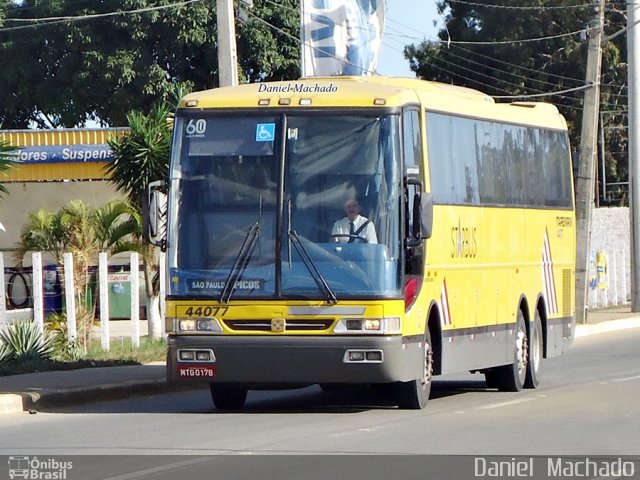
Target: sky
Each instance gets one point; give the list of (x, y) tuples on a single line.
[(407, 21)]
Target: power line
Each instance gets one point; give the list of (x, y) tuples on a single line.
[(38, 22), (548, 94), (532, 70), (509, 42), (513, 7), (473, 62), (540, 94)]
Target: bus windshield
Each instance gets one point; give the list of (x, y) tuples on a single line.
[(285, 206)]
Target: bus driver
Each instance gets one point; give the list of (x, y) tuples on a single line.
[(354, 227)]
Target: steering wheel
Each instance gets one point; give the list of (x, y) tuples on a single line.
[(350, 236)]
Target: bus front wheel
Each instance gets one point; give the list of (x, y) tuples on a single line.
[(414, 394), (227, 396)]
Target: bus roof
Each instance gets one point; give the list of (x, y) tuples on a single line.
[(356, 91), (373, 91)]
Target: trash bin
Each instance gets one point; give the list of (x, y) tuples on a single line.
[(119, 295), (51, 290), (119, 284)]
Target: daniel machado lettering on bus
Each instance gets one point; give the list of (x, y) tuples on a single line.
[(556, 467)]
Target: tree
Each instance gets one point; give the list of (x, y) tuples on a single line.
[(77, 228), (63, 73), (140, 158), (6, 162), (270, 52), (480, 48)]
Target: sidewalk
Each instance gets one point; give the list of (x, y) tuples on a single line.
[(47, 389), (608, 320)]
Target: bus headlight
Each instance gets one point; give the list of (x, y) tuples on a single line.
[(377, 326), (186, 325), (372, 324), (204, 325), (208, 325)]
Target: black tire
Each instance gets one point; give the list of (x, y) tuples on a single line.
[(414, 395), (536, 353), (511, 378), (491, 378), (18, 291), (227, 396)]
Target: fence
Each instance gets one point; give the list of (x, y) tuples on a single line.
[(609, 279), (25, 291), (36, 289)]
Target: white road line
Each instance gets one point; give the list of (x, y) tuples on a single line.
[(626, 379), (506, 404), (162, 468)]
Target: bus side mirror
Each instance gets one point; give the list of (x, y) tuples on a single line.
[(426, 215), (156, 228), (421, 215)]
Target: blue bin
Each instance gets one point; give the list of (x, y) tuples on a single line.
[(51, 290)]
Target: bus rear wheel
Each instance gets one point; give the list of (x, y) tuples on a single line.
[(227, 396), (511, 378), (535, 353), (413, 395)]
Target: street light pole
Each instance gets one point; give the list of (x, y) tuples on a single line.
[(585, 182), (633, 57), (227, 54)]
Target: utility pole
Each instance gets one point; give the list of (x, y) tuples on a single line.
[(227, 54), (633, 57), (585, 182)]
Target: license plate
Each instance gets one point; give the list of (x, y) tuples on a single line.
[(196, 371)]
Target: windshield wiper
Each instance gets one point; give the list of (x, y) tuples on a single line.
[(324, 287), (241, 262)]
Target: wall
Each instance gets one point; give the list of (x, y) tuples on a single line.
[(26, 197), (611, 232)]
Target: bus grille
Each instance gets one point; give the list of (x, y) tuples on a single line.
[(264, 325)]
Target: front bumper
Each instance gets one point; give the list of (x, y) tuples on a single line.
[(256, 360)]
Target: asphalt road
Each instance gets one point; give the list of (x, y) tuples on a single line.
[(587, 404)]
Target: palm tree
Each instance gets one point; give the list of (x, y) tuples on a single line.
[(7, 153), (77, 228), (140, 158), (6, 162)]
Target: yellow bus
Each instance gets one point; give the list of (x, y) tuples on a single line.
[(459, 256)]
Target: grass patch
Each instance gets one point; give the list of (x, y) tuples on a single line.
[(122, 349), (121, 353)]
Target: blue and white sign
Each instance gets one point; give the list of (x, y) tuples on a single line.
[(265, 132), (63, 154), (341, 37)]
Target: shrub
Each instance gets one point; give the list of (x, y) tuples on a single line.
[(63, 349), (24, 342), (4, 353)]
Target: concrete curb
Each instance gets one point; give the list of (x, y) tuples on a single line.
[(41, 401), (609, 326), (11, 403)]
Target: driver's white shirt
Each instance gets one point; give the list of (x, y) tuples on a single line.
[(342, 227)]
